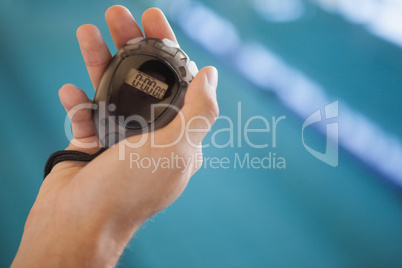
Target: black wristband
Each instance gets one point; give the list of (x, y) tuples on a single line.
[(66, 155)]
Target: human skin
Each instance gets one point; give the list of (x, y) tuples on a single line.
[(86, 213)]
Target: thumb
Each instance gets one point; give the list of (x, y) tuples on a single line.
[(200, 109)]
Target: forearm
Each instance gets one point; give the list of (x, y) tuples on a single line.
[(71, 242)]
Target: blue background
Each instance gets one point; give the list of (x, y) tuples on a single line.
[(307, 215)]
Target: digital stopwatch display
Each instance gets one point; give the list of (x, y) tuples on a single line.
[(142, 89), (146, 83)]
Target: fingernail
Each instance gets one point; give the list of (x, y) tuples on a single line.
[(212, 77)]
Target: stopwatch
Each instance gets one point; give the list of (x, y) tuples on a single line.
[(142, 89)]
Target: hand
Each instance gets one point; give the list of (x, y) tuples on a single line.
[(85, 214)]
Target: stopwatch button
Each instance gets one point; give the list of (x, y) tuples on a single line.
[(192, 68), (170, 43), (135, 40)]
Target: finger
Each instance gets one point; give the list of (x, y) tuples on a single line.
[(200, 109), (122, 25), (94, 51), (156, 25), (77, 106)]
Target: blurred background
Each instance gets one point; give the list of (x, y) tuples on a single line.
[(275, 58)]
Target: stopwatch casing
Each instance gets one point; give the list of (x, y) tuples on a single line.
[(141, 90)]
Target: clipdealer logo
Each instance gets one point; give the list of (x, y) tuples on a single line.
[(232, 133)]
